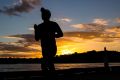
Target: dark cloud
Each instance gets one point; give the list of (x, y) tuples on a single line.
[(28, 39), (112, 32), (14, 55), (20, 7), (14, 48), (25, 47), (107, 40)]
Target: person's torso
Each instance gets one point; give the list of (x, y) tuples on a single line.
[(47, 33)]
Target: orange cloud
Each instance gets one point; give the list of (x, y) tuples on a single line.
[(98, 25), (117, 20), (100, 21), (89, 27), (113, 32)]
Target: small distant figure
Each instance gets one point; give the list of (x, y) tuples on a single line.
[(106, 61), (46, 32)]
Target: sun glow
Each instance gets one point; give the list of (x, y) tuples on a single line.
[(66, 52)]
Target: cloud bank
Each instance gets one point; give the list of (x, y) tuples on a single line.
[(98, 25), (20, 7)]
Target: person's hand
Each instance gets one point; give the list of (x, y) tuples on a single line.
[(35, 25)]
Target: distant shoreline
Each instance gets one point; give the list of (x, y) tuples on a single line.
[(87, 57)]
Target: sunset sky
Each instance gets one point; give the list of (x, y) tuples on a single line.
[(87, 25)]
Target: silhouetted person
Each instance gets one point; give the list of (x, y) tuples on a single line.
[(106, 61), (46, 32)]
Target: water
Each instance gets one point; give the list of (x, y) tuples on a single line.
[(36, 67)]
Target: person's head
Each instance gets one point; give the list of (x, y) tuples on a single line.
[(46, 14)]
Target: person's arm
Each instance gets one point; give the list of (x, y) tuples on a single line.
[(58, 32), (36, 33)]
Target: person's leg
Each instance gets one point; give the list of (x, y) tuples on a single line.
[(51, 59), (44, 64), (51, 64), (44, 59)]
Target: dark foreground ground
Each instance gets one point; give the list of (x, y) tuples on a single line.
[(69, 74)]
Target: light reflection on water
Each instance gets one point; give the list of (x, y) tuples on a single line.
[(36, 67)]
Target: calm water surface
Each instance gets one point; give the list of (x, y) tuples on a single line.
[(36, 67)]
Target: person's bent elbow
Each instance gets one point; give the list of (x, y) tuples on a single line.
[(36, 38), (59, 35)]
